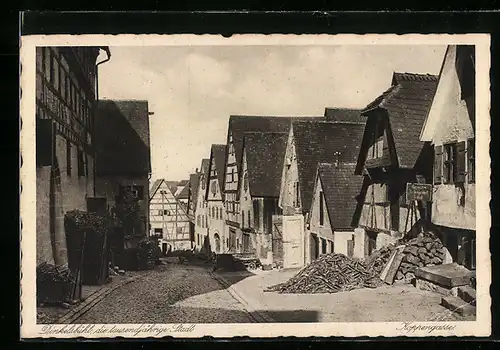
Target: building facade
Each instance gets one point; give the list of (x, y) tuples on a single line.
[(333, 210), (262, 162), (168, 218), (310, 143), (450, 130), (391, 156), (123, 160), (214, 197), (66, 93), (237, 126), (201, 206)]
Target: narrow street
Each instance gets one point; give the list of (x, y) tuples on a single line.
[(172, 293)]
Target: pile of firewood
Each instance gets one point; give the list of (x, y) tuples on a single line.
[(420, 252), (330, 273), (379, 258)]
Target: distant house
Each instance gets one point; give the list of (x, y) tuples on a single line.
[(238, 125), (194, 182), (344, 115), (262, 164), (450, 130), (310, 143), (123, 161), (182, 191), (168, 218), (333, 209), (391, 156), (200, 211), (214, 197)]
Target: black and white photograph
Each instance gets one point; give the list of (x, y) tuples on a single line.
[(286, 186)]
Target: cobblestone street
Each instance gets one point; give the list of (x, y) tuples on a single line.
[(171, 294)]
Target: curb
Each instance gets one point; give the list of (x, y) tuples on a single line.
[(92, 301), (258, 316)]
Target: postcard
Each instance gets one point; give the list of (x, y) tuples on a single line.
[(256, 185)]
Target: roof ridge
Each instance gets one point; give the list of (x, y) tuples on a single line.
[(123, 100), (408, 76), (344, 108)]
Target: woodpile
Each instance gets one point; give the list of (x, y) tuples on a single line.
[(333, 273), (420, 252), (330, 273)]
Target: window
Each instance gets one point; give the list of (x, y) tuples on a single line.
[(449, 163), (158, 231), (86, 165), (331, 247), (203, 183), (48, 63), (166, 212), (296, 195), (323, 246), (249, 219), (179, 230), (242, 218), (62, 82), (206, 221), (160, 212), (213, 212), (256, 215), (68, 157), (321, 209), (198, 221), (81, 164), (245, 182), (471, 161), (55, 72)]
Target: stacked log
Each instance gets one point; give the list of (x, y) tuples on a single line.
[(420, 252), (379, 258), (330, 273)]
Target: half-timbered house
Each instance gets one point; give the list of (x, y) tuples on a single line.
[(450, 130), (201, 205), (168, 218), (214, 196), (238, 125), (309, 143), (391, 156), (262, 163), (123, 161), (66, 96), (333, 210)]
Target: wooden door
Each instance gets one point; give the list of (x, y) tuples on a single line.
[(293, 234)]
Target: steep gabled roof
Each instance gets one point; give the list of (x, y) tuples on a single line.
[(317, 142), (265, 154), (348, 115), (184, 193), (194, 181), (218, 154), (154, 187), (239, 124), (340, 188), (122, 139), (407, 103)]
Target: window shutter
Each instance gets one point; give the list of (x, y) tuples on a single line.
[(45, 141), (461, 161), (438, 164)]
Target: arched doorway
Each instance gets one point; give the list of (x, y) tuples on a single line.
[(217, 243)]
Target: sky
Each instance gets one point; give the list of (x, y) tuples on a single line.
[(193, 90)]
